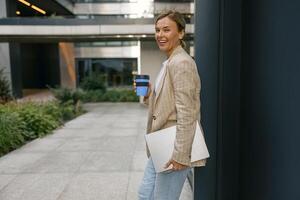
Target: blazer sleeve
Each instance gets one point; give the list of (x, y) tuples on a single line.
[(184, 78), (147, 99)]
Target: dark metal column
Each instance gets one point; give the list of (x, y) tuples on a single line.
[(16, 69), (248, 59), (218, 57), (207, 29), (270, 134)]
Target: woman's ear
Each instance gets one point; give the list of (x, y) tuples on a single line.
[(181, 35)]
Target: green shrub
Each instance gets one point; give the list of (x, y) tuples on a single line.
[(64, 95), (10, 110), (93, 82), (53, 109), (128, 96), (112, 95), (37, 120), (77, 95), (21, 122), (122, 95), (11, 132), (5, 93), (68, 111), (93, 96), (69, 99)]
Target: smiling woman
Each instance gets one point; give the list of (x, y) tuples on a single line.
[(173, 101)]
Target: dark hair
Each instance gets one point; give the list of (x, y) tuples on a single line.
[(177, 18)]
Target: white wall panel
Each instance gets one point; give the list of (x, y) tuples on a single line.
[(151, 59), (140, 7), (145, 7), (107, 52), (80, 29), (48, 30)]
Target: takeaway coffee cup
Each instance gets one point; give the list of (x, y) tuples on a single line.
[(141, 83)]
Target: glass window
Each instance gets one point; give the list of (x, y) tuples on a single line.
[(114, 43), (98, 44), (117, 72), (106, 44)]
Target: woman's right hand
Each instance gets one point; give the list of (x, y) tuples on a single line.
[(149, 90)]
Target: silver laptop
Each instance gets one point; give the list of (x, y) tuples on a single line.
[(161, 145)]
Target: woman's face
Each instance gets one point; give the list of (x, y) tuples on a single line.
[(167, 35)]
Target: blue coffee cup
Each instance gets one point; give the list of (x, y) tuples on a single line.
[(141, 83)]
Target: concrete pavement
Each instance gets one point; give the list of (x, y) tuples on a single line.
[(97, 156)]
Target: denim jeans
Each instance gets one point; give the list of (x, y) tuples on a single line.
[(161, 186)]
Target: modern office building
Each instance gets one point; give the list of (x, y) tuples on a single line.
[(59, 42), (248, 57)]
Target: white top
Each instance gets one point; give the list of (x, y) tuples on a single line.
[(160, 75)]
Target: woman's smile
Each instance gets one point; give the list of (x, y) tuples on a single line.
[(162, 42)]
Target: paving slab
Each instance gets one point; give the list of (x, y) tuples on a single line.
[(81, 144), (107, 162), (43, 145), (5, 180), (59, 162), (17, 162), (36, 187), (95, 186), (135, 179), (117, 144), (75, 133), (100, 155), (139, 161)]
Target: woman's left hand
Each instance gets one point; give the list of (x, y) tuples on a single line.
[(176, 166)]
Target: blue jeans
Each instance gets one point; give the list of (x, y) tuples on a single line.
[(161, 186)]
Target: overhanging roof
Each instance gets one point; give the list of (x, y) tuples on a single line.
[(77, 29)]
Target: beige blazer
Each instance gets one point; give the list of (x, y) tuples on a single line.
[(177, 102)]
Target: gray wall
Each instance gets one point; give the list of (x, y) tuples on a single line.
[(4, 47), (5, 60), (151, 59)]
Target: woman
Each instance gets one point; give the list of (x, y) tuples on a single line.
[(174, 100)]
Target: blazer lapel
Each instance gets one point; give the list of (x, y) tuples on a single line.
[(161, 83), (178, 50)]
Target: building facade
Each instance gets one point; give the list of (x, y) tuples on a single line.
[(59, 42)]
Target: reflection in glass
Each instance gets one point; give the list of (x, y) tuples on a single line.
[(117, 72)]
